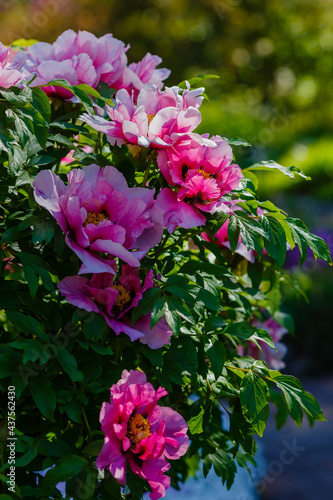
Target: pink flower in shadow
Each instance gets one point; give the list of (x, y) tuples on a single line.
[(115, 300), (140, 433)]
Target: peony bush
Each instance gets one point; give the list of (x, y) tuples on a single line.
[(141, 280)]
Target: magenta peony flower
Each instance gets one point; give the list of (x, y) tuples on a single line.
[(141, 433), (272, 357), (159, 119), (10, 66), (204, 174), (115, 301), (101, 216), (78, 58), (223, 242)]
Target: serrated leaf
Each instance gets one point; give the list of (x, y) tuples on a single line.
[(304, 238), (296, 397)]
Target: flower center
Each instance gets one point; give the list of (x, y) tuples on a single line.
[(93, 218), (138, 428), (205, 175), (123, 297), (150, 117)]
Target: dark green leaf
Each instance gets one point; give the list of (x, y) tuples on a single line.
[(43, 395)]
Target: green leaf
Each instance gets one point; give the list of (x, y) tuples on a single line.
[(43, 395), (157, 311), (7, 364), (237, 141), (217, 356), (68, 362), (28, 456), (34, 265), (172, 317), (70, 467), (27, 324), (95, 328), (304, 238), (193, 266), (254, 396), (249, 229), (296, 397), (93, 449), (224, 466), (272, 165), (240, 432), (195, 422), (275, 239)]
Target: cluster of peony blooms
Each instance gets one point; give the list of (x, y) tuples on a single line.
[(111, 227)]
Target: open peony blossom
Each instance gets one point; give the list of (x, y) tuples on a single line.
[(101, 216), (83, 58), (272, 357), (140, 433), (78, 58), (203, 173), (158, 119), (115, 301), (10, 66), (137, 74)]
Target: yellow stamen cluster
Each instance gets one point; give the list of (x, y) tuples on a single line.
[(150, 117), (93, 218), (205, 175), (138, 428), (123, 297)]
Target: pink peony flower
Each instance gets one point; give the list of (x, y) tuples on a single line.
[(158, 120), (137, 74), (10, 66), (115, 301), (272, 357), (78, 58), (204, 174), (223, 242), (178, 213), (141, 433), (101, 215)]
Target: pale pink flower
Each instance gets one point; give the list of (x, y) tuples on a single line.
[(137, 74), (78, 58), (115, 300), (140, 433), (10, 66), (101, 215), (157, 120)]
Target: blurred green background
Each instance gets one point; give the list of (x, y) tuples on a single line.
[(274, 59)]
